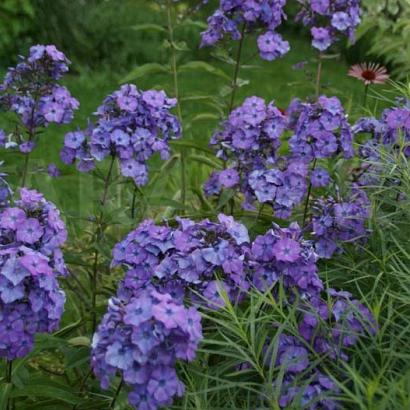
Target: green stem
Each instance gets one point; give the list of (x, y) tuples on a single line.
[(237, 68), (183, 178), (174, 70), (98, 237), (319, 74), (31, 135), (117, 392), (133, 203), (366, 90), (305, 212), (25, 169), (9, 373)]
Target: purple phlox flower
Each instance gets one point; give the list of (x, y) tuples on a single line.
[(130, 126), (144, 351)]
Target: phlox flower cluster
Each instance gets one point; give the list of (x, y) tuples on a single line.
[(328, 321), (283, 254), (198, 261), (147, 328), (202, 263), (130, 125), (329, 20), (31, 301), (391, 132), (283, 186), (339, 220), (316, 392), (250, 140), (232, 15), (335, 322), (327, 328), (321, 129), (32, 91), (141, 337)]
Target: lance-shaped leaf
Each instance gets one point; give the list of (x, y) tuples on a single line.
[(143, 70)]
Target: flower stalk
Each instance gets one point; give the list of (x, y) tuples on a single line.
[(98, 237), (319, 75), (237, 68), (174, 70), (9, 374)]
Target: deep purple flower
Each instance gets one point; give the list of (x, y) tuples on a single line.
[(320, 178), (329, 20), (228, 178), (141, 337), (321, 129), (32, 91), (30, 231), (335, 222), (271, 46), (131, 125), (53, 171), (286, 250), (231, 16), (31, 234), (322, 38), (391, 132)]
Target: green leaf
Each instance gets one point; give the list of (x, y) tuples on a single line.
[(148, 27), (161, 201), (143, 70), (189, 144), (206, 161), (80, 341), (47, 389), (203, 66), (5, 390), (206, 116), (193, 23), (225, 197), (181, 46)]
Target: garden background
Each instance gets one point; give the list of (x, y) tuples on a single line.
[(112, 42)]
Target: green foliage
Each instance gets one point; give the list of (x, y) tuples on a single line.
[(386, 30), (17, 17)]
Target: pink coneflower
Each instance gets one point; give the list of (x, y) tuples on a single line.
[(369, 73)]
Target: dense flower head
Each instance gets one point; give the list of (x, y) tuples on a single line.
[(140, 338), (283, 254), (328, 325), (391, 133), (31, 301), (316, 391), (329, 20), (321, 129), (201, 261), (335, 221), (304, 385), (32, 91), (249, 140), (283, 186), (334, 322), (234, 15), (251, 133), (131, 125)]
